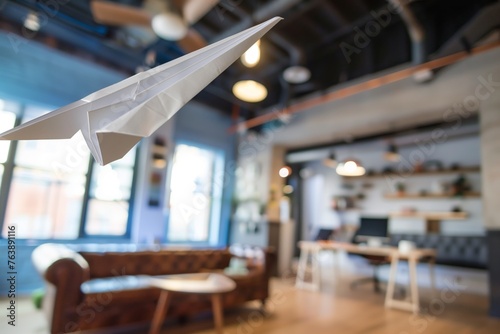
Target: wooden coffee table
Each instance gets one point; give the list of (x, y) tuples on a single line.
[(203, 283)]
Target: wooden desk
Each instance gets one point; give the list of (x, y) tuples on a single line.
[(203, 283), (312, 249)]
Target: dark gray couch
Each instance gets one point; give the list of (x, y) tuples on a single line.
[(461, 251)]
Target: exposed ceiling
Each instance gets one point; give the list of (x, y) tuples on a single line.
[(312, 35)]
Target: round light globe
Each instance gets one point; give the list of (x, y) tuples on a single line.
[(169, 26), (250, 91), (297, 74)]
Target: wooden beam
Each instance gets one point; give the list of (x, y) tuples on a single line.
[(365, 86)]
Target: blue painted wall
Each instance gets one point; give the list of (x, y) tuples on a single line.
[(34, 74)]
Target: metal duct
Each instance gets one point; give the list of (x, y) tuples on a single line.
[(478, 27), (415, 30), (265, 12)]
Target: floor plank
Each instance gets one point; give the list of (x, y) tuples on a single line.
[(336, 308)]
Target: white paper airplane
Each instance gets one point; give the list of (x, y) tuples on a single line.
[(115, 118)]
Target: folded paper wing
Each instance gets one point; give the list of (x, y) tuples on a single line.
[(115, 118)]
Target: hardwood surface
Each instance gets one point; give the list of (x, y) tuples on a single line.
[(336, 309)]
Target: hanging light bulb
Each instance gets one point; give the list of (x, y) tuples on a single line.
[(285, 171), (350, 168), (392, 153), (32, 22), (330, 161), (250, 91), (252, 56)]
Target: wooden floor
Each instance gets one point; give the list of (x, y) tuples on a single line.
[(336, 309)]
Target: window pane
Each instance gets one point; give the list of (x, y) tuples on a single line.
[(110, 191), (128, 160), (7, 120), (60, 156), (192, 190), (111, 183), (45, 205), (107, 217)]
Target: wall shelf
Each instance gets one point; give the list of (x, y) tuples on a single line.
[(473, 169), (432, 196), (432, 219), (431, 215)]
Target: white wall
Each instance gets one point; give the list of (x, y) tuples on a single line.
[(321, 188), (150, 222)]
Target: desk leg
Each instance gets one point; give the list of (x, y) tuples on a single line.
[(336, 259), (432, 274), (160, 312), (300, 281), (415, 301), (302, 268), (316, 271), (389, 296), (218, 315)]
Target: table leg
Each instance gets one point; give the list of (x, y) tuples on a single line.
[(336, 259), (389, 296), (300, 281), (218, 315), (301, 270), (432, 274), (412, 262), (160, 312), (316, 271)]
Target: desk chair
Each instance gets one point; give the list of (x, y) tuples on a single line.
[(371, 228)]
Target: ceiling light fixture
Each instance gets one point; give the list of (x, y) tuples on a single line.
[(423, 76), (169, 26), (297, 74), (350, 168), (392, 153), (250, 91), (288, 189), (32, 22), (330, 161), (252, 56), (285, 171)]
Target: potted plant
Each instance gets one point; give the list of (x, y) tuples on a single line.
[(400, 189)]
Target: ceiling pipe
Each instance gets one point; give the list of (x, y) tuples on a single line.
[(478, 27), (339, 94), (273, 36), (264, 13), (297, 56), (415, 30)]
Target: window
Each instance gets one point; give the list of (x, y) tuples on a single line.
[(195, 198), (110, 192), (47, 187), (52, 195)]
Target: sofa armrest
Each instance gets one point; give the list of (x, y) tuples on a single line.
[(257, 257), (64, 271)]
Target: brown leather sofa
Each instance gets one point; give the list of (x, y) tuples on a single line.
[(96, 289)]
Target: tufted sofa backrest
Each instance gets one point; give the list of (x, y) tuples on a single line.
[(161, 262), (463, 251)]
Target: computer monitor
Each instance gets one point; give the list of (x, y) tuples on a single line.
[(324, 234), (372, 230)]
